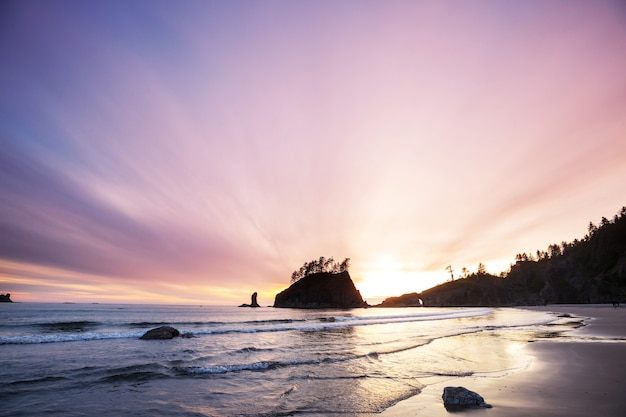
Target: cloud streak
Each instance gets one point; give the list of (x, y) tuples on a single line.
[(216, 147)]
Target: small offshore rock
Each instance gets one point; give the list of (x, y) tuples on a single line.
[(253, 302), (456, 398), (160, 333)]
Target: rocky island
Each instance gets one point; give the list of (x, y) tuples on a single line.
[(321, 290), (5, 298)]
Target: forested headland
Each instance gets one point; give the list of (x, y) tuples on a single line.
[(589, 270)]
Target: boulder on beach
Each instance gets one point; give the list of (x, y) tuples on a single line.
[(321, 290), (253, 302), (160, 333), (456, 398)]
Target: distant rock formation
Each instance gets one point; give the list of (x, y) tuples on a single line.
[(253, 302), (590, 270), (478, 290), (322, 290), (456, 398), (406, 300), (162, 333), (5, 298)]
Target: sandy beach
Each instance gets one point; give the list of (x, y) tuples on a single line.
[(580, 373)]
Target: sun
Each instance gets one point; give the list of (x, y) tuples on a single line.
[(388, 277), (385, 283)]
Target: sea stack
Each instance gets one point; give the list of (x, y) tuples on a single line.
[(253, 302), (322, 290)]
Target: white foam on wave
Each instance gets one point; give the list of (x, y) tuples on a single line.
[(342, 322), (406, 318), (262, 326), (66, 337), (265, 365), (422, 314), (223, 369)]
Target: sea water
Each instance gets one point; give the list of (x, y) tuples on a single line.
[(87, 359)]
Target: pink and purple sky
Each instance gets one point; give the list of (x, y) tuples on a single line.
[(195, 152)]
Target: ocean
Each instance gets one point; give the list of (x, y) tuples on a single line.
[(87, 359)]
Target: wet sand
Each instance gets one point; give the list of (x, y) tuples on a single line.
[(582, 373)]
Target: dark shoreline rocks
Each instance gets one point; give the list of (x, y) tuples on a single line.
[(160, 333), (5, 298), (405, 300), (459, 398), (321, 290), (253, 302)]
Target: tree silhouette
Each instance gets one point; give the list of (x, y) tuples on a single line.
[(321, 265), (449, 269), (589, 270)]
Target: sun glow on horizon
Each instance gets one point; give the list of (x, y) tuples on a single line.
[(196, 155), (50, 284), (387, 276)]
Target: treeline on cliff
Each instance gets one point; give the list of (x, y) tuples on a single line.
[(321, 290), (321, 283), (591, 270), (320, 266)]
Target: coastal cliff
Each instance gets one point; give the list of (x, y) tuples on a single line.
[(477, 290), (321, 290), (591, 270), (406, 300)]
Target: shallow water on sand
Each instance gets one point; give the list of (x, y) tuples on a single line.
[(84, 359)]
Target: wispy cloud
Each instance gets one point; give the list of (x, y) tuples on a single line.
[(216, 147)]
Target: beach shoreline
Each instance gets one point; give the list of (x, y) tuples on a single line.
[(578, 374)]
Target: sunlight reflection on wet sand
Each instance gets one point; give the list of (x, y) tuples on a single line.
[(570, 370)]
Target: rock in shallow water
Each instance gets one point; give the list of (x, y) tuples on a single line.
[(456, 398), (163, 332), (253, 302)]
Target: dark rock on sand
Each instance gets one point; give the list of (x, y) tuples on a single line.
[(322, 290), (5, 298), (457, 398), (253, 302), (162, 333)]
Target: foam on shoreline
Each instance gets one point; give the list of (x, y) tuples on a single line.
[(579, 373)]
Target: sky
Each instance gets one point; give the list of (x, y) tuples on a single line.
[(196, 152)]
